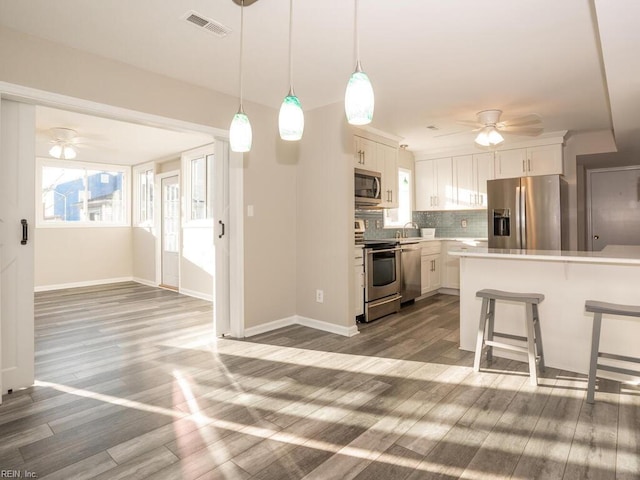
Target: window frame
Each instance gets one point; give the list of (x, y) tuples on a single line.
[(208, 153), (138, 171), (42, 162), (387, 223)]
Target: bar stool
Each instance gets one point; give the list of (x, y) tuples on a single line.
[(532, 322), (598, 309)]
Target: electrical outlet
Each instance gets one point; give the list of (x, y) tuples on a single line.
[(319, 296), (378, 224), (366, 224), (464, 223)]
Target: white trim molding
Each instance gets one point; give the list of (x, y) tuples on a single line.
[(305, 322), (88, 283), (193, 293)]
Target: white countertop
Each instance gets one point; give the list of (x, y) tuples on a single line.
[(612, 254)]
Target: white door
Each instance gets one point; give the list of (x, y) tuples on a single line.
[(221, 279), (614, 207), (17, 203), (170, 239)]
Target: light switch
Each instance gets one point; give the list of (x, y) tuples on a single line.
[(249, 210)]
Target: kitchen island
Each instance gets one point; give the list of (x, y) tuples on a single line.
[(567, 279)]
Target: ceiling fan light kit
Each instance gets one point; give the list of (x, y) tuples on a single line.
[(489, 136), (240, 133), (63, 139), (291, 117), (63, 151), (358, 99)]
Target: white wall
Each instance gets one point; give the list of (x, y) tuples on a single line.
[(325, 218), (269, 184), (143, 241), (67, 256)]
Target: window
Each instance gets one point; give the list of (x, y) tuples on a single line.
[(399, 217), (198, 173), (82, 193), (144, 195)]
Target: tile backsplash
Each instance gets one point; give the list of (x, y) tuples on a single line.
[(448, 224)]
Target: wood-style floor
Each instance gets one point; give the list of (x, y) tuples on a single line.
[(131, 385)]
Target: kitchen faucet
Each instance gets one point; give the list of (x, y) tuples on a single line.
[(411, 224)]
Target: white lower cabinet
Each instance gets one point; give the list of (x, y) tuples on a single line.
[(451, 266), (359, 279), (431, 278)]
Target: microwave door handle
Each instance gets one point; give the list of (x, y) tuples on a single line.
[(377, 187)]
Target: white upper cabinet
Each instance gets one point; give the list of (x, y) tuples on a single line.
[(388, 165), (365, 154), (434, 185), (526, 162), (472, 173)]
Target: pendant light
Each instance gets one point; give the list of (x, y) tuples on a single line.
[(358, 99), (240, 135), (291, 117)]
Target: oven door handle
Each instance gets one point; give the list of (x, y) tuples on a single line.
[(371, 252)]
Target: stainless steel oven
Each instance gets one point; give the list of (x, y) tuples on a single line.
[(382, 266)]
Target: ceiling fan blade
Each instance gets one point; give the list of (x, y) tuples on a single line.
[(452, 133), (529, 131), (531, 119), (470, 123)]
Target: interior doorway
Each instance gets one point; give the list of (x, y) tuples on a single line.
[(613, 202), (170, 227)]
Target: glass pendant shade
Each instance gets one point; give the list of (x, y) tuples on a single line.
[(358, 99), (240, 135), (488, 137), (291, 118)]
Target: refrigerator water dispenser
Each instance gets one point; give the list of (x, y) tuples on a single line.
[(501, 222)]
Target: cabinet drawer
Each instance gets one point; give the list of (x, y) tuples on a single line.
[(429, 248)]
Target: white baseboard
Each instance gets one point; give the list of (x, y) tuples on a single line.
[(88, 283), (144, 281), (328, 327), (449, 291), (304, 321), (269, 326), (193, 293)]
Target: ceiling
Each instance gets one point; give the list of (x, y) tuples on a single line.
[(431, 61), (102, 140)]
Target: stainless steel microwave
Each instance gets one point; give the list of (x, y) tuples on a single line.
[(368, 187)]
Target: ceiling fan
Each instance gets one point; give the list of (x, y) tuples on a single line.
[(64, 141), (491, 128)]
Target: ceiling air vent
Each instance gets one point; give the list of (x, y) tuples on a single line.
[(208, 24)]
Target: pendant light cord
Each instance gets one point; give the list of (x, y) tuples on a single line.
[(356, 40), (241, 48), (290, 49)]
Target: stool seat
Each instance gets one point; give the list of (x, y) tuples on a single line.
[(612, 308), (513, 296), (533, 340), (598, 309)]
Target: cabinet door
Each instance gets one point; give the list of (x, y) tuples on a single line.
[(484, 170), (359, 278), (436, 274), (446, 197), (451, 267), (365, 154), (511, 163), (388, 166), (545, 160), (464, 179), (425, 185), (425, 274)]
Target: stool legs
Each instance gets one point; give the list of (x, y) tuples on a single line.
[(531, 342), (593, 363), (490, 321), (480, 338), (536, 324)]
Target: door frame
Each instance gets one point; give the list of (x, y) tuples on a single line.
[(588, 198), (158, 223), (236, 175)]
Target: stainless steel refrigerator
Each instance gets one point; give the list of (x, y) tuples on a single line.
[(528, 213)]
